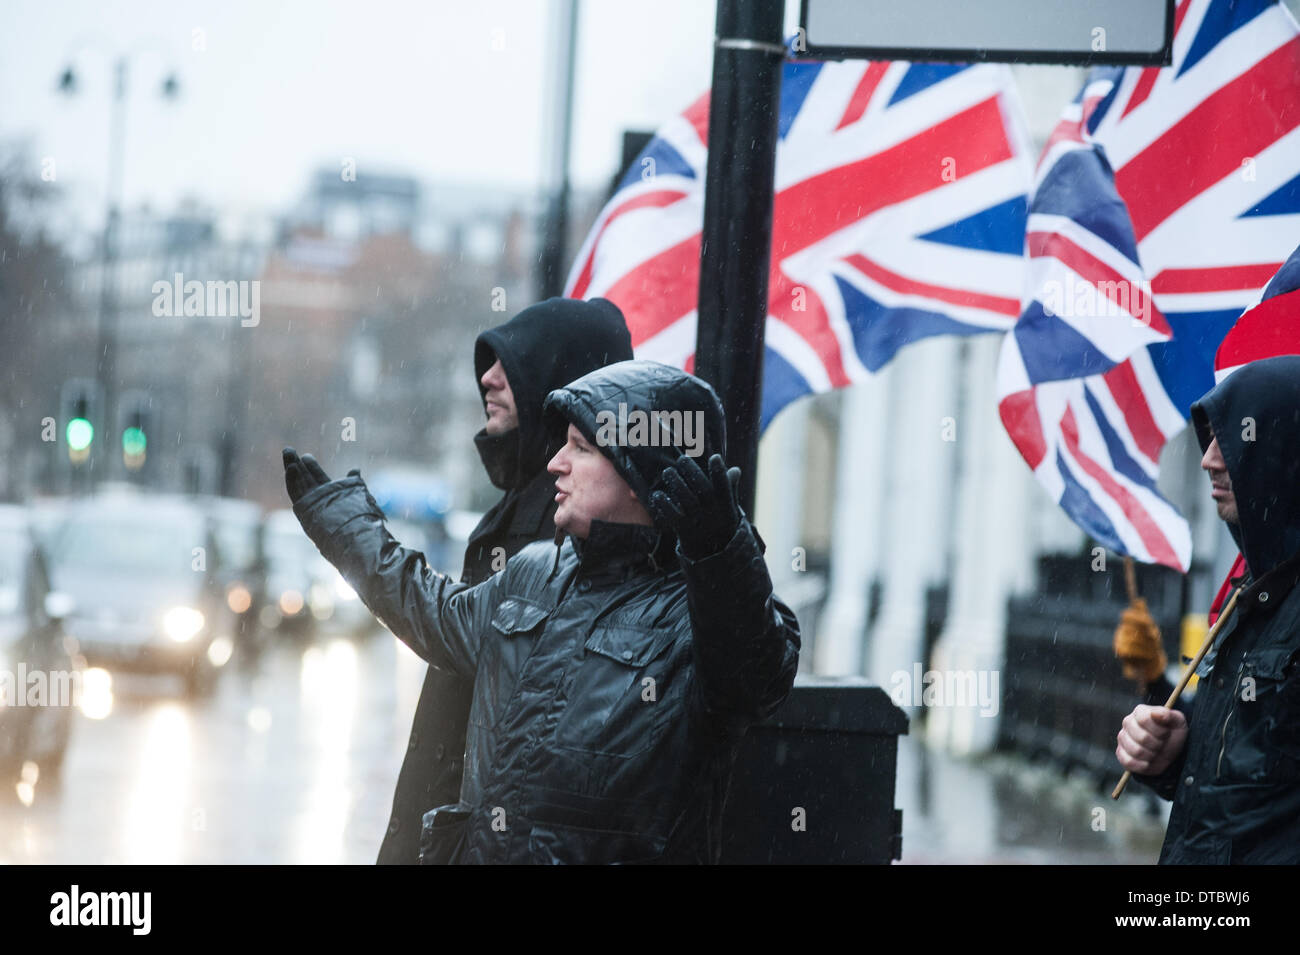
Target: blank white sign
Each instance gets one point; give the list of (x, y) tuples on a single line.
[(1055, 29)]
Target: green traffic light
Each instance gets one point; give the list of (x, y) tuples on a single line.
[(133, 441), (80, 433)]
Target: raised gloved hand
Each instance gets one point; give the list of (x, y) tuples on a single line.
[(700, 509), (303, 474)]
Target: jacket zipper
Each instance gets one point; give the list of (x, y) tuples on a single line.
[(1223, 736)]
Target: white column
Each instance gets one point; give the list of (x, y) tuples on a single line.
[(778, 508), (992, 555), (921, 460), (854, 543)]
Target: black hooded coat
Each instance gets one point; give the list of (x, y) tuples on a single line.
[(1236, 785), (613, 676), (545, 346)]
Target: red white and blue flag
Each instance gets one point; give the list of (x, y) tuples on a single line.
[(1267, 329), (900, 200), (1163, 202)]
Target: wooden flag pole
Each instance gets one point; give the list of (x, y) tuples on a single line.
[(1187, 675)]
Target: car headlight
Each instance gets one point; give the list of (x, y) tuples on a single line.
[(238, 599), (320, 602), (182, 623)]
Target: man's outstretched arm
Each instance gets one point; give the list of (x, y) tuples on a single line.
[(438, 618)]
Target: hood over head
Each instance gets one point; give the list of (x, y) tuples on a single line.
[(1255, 414), (643, 416), (542, 348)]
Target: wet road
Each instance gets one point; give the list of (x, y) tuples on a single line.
[(292, 763), (295, 761)]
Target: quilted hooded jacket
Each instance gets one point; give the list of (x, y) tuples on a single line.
[(613, 677)]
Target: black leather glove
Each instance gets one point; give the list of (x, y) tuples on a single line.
[(303, 474), (700, 509)]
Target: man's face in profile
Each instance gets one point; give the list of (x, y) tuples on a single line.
[(499, 402), (1221, 484), (588, 488)]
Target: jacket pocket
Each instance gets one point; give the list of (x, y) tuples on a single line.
[(442, 835), (1279, 686), (555, 844), (515, 616), (1200, 850), (517, 625), (1261, 738), (615, 703)]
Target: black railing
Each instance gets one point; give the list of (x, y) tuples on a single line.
[(1064, 695)]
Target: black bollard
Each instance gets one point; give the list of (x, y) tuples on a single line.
[(814, 783)]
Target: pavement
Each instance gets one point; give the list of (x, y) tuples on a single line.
[(1000, 809)]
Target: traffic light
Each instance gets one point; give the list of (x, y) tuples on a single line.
[(79, 432), (135, 435), (79, 403)]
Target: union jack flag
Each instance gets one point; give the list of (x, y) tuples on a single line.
[(1163, 201), (900, 200)]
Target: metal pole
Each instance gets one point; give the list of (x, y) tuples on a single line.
[(106, 358), (737, 237), (552, 264)]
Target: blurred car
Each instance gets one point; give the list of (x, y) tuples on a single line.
[(306, 593), (237, 526), (300, 584), (38, 673), (143, 573)]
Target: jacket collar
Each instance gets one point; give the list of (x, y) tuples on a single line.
[(524, 511), (500, 456), (1268, 592), (616, 551), (535, 505)]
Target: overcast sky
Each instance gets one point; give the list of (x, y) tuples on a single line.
[(272, 89), (443, 90)]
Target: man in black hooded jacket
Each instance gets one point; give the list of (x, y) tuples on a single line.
[(517, 364), (614, 671), (1230, 758)]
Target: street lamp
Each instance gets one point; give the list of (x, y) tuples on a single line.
[(106, 361)]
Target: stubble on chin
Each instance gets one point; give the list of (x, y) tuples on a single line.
[(1227, 511)]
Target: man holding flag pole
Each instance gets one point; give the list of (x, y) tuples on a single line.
[(1231, 762)]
